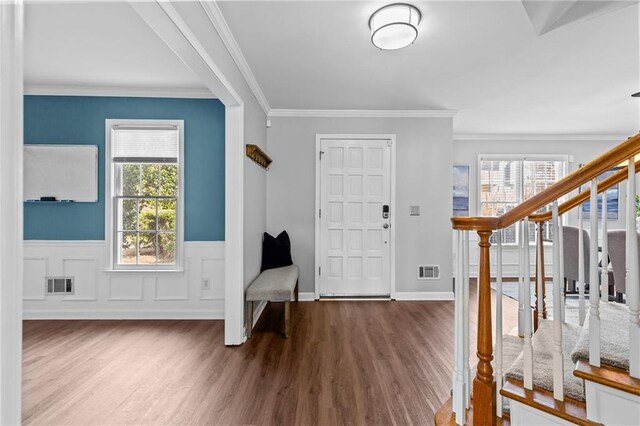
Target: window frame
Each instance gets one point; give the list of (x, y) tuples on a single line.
[(564, 158), (111, 206)]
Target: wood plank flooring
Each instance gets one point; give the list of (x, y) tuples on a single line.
[(346, 362)]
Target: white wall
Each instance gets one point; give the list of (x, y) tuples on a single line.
[(114, 295), (424, 174), (582, 151)]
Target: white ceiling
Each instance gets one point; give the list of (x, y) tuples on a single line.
[(104, 45), (484, 59)]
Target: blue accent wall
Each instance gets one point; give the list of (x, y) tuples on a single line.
[(80, 120)]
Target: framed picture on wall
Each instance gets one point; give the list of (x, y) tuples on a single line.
[(461, 190), (613, 198)]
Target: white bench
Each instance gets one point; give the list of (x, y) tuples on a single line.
[(274, 285)]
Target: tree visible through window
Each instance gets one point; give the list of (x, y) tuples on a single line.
[(507, 182), (147, 208), (145, 195)]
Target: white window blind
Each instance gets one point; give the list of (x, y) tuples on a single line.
[(145, 144)]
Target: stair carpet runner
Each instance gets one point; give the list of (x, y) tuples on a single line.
[(614, 349)]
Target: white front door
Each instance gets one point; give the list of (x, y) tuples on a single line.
[(355, 228)]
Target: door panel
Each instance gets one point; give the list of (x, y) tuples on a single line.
[(355, 184)]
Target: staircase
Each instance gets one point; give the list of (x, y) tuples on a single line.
[(555, 369)]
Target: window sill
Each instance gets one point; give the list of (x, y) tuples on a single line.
[(144, 271)]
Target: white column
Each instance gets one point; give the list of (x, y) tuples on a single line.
[(499, 373), (594, 287), (561, 263), (581, 302), (528, 324), (465, 319), (558, 290), (604, 275), (633, 284), (11, 134), (458, 397)]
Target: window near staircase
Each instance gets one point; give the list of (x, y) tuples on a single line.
[(145, 188), (506, 181)]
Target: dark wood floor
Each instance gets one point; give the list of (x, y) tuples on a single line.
[(360, 363)]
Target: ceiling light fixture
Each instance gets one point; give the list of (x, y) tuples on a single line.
[(394, 26)]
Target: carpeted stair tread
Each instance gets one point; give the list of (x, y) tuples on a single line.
[(542, 343), (614, 340)]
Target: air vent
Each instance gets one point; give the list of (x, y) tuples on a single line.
[(59, 285), (428, 272)]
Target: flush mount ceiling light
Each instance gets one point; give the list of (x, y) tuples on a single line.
[(394, 26)]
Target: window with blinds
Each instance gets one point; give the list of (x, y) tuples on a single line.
[(145, 194), (507, 182)]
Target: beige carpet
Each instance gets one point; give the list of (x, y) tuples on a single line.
[(542, 343), (614, 340)]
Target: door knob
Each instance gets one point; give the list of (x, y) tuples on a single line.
[(385, 225)]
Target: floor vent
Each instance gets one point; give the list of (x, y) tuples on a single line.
[(59, 285), (428, 272)]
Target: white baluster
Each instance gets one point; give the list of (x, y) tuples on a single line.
[(558, 290), (604, 275), (499, 374), (594, 287), (561, 263), (465, 320), (528, 325), (633, 284), (521, 297), (581, 302), (540, 281), (458, 397)]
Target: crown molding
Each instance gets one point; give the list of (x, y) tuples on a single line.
[(362, 113), (143, 92), (539, 137), (216, 18)]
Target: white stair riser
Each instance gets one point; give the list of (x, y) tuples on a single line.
[(611, 406), (524, 415)]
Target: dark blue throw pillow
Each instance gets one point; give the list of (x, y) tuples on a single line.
[(276, 252)]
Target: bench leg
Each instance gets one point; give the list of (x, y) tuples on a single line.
[(249, 319), (287, 318), (297, 292)]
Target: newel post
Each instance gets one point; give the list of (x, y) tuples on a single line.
[(484, 385)]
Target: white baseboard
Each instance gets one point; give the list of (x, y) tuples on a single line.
[(309, 296), (424, 295), (58, 314), (400, 295)]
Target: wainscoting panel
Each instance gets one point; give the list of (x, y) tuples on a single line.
[(85, 273), (126, 287), (170, 288), (212, 270), (35, 269), (101, 293)]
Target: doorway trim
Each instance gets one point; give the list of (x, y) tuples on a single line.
[(11, 140), (392, 217)]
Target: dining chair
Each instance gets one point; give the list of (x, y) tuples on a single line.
[(570, 241), (616, 245)]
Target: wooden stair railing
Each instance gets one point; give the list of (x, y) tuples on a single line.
[(484, 385)]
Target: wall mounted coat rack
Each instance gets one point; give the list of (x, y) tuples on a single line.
[(255, 153)]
